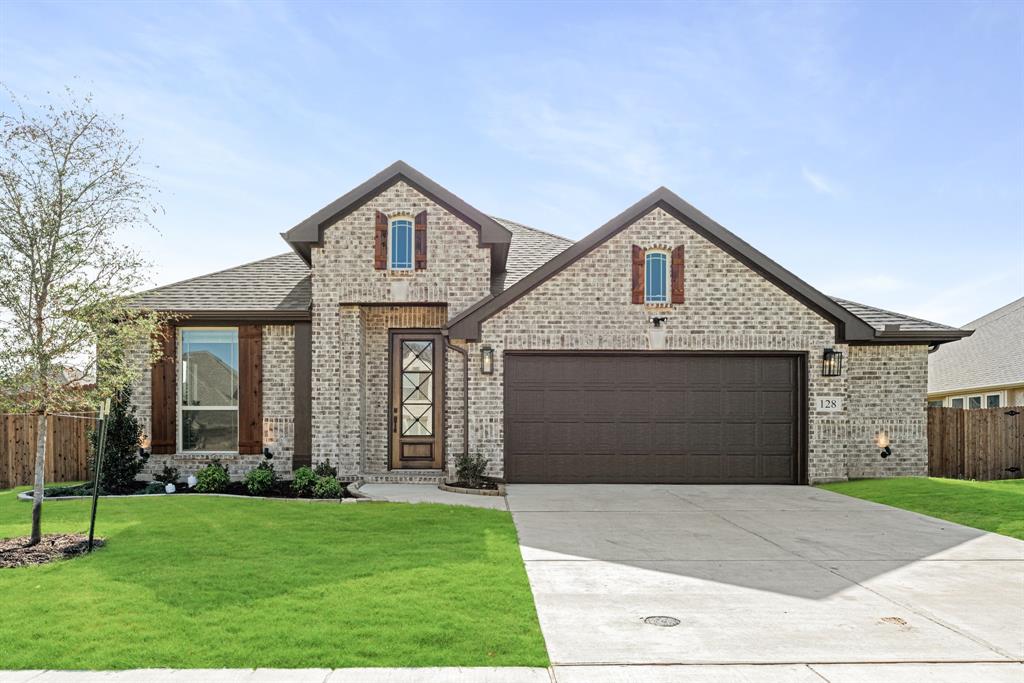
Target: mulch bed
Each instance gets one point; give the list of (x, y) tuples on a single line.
[(15, 552), (485, 485)]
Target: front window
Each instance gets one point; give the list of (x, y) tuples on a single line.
[(992, 401), (208, 385), (974, 402), (656, 278), (401, 244), (956, 403)]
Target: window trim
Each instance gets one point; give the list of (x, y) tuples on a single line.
[(180, 380), (999, 397), (392, 220), (963, 402), (666, 257)]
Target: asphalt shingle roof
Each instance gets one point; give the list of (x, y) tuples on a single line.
[(879, 318), (282, 283), (988, 358), (278, 283)]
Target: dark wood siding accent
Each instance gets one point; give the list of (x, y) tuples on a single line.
[(638, 274), (303, 456), (700, 418), (678, 278), (380, 242), (421, 240), (250, 389), (163, 440)]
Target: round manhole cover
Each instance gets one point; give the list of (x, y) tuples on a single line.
[(662, 621)]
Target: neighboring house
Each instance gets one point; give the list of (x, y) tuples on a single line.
[(985, 370), (406, 326)]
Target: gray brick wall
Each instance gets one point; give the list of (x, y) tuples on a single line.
[(728, 308)]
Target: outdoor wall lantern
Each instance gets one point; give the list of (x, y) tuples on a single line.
[(831, 363), (883, 442), (486, 360)]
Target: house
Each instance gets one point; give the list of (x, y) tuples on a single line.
[(406, 327), (987, 369)]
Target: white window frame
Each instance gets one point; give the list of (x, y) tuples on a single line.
[(958, 398), (180, 377), (391, 243), (997, 394), (668, 277)]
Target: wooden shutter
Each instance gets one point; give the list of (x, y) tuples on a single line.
[(678, 281), (380, 242), (421, 240), (250, 389), (164, 400), (638, 274)]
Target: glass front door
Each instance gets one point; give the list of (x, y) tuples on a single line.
[(416, 361)]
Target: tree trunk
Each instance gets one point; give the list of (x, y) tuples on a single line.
[(37, 492)]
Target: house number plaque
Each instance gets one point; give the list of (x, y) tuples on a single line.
[(829, 404)]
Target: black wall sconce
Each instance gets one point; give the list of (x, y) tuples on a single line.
[(831, 363), (486, 360), (883, 442)]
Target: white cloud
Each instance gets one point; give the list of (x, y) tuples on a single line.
[(819, 183)]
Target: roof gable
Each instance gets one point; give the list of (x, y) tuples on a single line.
[(849, 327), (989, 358), (310, 232)]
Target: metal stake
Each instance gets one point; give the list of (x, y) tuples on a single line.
[(104, 407)]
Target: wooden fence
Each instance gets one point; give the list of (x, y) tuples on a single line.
[(975, 444), (67, 448)]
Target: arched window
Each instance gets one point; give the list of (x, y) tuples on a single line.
[(656, 278), (401, 244)]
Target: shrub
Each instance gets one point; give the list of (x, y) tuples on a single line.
[(168, 475), (260, 481), (121, 459), (153, 487), (327, 487), (470, 468), (303, 482), (213, 478), (324, 469)]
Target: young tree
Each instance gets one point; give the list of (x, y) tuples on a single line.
[(69, 188)]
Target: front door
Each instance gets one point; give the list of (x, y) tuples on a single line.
[(417, 380)]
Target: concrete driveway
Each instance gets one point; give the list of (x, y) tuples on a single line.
[(762, 575)]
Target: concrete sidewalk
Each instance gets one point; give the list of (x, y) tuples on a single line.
[(741, 673)]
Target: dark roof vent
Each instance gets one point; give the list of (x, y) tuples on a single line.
[(890, 327)]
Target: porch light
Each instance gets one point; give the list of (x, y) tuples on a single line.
[(882, 440), (486, 360), (831, 363)]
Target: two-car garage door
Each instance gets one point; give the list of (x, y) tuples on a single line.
[(652, 418)]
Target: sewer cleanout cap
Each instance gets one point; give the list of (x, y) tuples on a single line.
[(661, 621)]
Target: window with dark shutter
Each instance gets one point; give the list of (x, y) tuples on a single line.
[(638, 274), (380, 242), (163, 427), (678, 278), (421, 240)]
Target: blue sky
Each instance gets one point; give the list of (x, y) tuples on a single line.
[(876, 150)]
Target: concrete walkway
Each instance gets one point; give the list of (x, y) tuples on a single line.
[(762, 575), (429, 493)]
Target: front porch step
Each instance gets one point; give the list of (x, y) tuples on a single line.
[(410, 477)]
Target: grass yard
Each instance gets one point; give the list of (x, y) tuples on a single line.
[(195, 581), (990, 505)]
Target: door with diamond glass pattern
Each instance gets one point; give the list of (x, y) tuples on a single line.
[(416, 410)]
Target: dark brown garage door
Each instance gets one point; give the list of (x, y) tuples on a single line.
[(651, 418)]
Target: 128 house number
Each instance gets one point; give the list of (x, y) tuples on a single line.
[(829, 404)]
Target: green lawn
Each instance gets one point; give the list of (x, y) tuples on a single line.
[(990, 505), (193, 581)]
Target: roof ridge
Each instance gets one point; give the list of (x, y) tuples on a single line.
[(1003, 311), (530, 227), (216, 272), (841, 301)]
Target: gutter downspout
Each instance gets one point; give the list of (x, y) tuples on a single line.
[(465, 389)]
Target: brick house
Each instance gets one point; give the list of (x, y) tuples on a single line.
[(405, 327)]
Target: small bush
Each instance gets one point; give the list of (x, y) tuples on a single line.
[(304, 481), (259, 481), (324, 469), (470, 468), (153, 487), (121, 457), (168, 475), (213, 478), (327, 487)]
